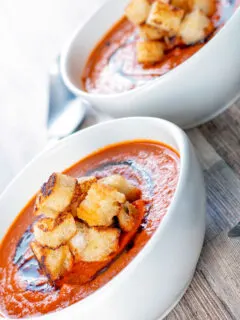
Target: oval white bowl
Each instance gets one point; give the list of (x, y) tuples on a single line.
[(155, 280), (193, 93)]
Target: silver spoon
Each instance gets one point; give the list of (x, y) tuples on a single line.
[(66, 112)]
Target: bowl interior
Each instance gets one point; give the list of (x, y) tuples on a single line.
[(85, 39), (72, 149)]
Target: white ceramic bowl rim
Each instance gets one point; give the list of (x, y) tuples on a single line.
[(65, 51), (183, 150)]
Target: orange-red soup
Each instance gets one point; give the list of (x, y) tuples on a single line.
[(24, 289), (112, 66)]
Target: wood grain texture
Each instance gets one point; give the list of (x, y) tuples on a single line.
[(32, 34), (214, 293), (224, 135)]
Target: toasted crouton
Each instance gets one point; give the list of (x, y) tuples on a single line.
[(86, 183), (101, 242), (79, 242), (55, 232), (195, 27), (40, 209), (165, 17), (149, 51), (137, 11), (122, 185), (207, 6), (93, 244), (55, 195), (127, 217), (54, 262), (80, 192), (147, 32), (186, 5), (101, 204)]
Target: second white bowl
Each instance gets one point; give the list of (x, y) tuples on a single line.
[(192, 93)]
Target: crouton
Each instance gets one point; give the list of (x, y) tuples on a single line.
[(165, 17), (195, 27), (186, 5), (122, 185), (147, 32), (101, 204), (54, 262), (86, 183), (171, 43), (55, 232), (55, 195), (39, 209), (149, 51), (79, 242), (127, 217), (207, 6), (137, 11), (101, 243), (80, 192)]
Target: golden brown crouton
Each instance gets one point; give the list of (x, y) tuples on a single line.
[(149, 51), (137, 11), (147, 32), (80, 192), (195, 27), (79, 242), (127, 217), (55, 232), (86, 183), (54, 262), (165, 17), (42, 210), (55, 195), (101, 204), (122, 185), (207, 6), (101, 242), (186, 5)]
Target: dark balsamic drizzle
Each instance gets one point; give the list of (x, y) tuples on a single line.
[(23, 247), (28, 267), (133, 165), (107, 43)]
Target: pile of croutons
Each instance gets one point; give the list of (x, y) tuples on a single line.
[(76, 220), (187, 21)]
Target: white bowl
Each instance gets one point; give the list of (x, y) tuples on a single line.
[(155, 280), (192, 93)]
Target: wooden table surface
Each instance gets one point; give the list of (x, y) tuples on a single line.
[(32, 34)]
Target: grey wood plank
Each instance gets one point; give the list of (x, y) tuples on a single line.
[(222, 187), (201, 303), (223, 133), (207, 155)]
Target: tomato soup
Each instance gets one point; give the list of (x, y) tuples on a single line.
[(112, 67), (25, 291)]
